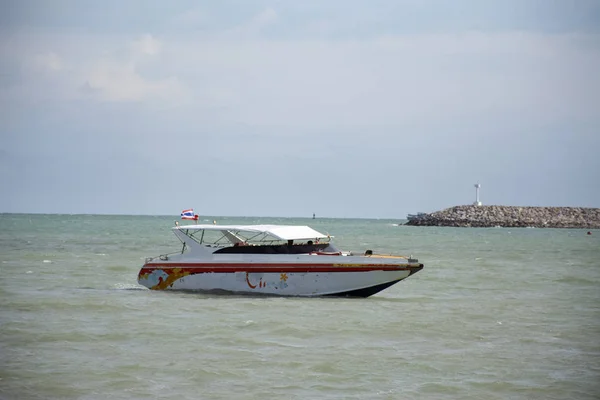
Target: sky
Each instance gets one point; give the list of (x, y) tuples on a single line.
[(342, 108)]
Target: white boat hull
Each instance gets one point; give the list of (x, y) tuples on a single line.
[(283, 280)]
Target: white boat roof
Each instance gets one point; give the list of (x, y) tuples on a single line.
[(282, 232)]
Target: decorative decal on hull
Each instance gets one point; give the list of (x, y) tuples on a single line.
[(159, 279), (251, 286), (263, 284)]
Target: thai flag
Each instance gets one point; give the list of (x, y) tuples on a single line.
[(188, 214)]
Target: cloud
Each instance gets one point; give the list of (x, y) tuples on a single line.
[(49, 61), (147, 45), (191, 18), (396, 80), (90, 68), (390, 80), (252, 27), (265, 17), (111, 81), (121, 78)]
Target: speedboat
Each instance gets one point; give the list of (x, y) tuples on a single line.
[(280, 260)]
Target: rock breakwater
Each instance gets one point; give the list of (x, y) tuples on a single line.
[(511, 216)]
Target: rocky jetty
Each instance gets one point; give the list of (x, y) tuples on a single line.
[(510, 216)]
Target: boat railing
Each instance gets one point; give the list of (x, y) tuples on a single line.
[(162, 257)]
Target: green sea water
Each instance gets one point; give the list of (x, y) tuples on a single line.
[(496, 313)]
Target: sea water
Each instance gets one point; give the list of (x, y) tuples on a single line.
[(496, 313)]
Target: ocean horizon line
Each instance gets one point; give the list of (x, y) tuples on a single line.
[(200, 216)]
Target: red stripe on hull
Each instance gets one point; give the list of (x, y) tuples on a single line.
[(258, 268)]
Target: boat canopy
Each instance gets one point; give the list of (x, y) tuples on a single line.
[(282, 232)]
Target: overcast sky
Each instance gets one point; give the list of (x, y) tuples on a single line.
[(284, 108)]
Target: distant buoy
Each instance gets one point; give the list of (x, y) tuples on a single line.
[(589, 233)]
